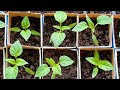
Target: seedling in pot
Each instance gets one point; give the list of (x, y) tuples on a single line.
[(101, 20), (12, 71), (43, 70), (2, 24), (102, 64), (25, 32), (58, 37)]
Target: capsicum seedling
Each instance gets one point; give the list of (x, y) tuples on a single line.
[(58, 37), (25, 32), (102, 64), (101, 20), (12, 71), (44, 69)]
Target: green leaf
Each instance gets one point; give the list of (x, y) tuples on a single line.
[(42, 70), (94, 72), (57, 69), (90, 23), (50, 61), (20, 62), (53, 75), (104, 19), (57, 38), (65, 28), (72, 25), (80, 27), (25, 34), (96, 56), (57, 27), (11, 61), (11, 72), (28, 70), (33, 32), (25, 22), (65, 61), (15, 29), (2, 24), (16, 49), (91, 60), (105, 65), (60, 16), (95, 40)]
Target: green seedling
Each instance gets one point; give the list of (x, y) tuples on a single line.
[(25, 32), (102, 64), (2, 24), (12, 71), (44, 69), (58, 37), (101, 20)]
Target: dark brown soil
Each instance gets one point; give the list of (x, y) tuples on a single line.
[(69, 72), (34, 25), (101, 32), (116, 32), (100, 12), (2, 33), (49, 21), (1, 64), (87, 68), (118, 61), (32, 57)]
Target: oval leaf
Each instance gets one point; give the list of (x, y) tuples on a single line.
[(94, 72), (16, 49), (80, 27), (57, 27), (95, 40), (42, 70), (2, 24), (50, 61), (25, 34), (65, 28), (104, 19), (72, 25), (91, 60), (11, 72), (60, 16), (105, 65), (15, 29), (20, 62), (57, 38), (57, 69), (28, 70), (65, 61), (25, 22), (11, 61), (33, 32)]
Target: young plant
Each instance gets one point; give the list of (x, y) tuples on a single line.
[(58, 37), (43, 70), (102, 64), (12, 71), (25, 32), (101, 20), (2, 24)]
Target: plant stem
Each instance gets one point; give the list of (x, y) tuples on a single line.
[(95, 25), (60, 26), (53, 76)]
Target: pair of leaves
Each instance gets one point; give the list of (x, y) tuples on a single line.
[(102, 64), (43, 70), (25, 33)]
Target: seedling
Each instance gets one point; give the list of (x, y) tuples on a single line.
[(58, 37), (102, 64), (43, 70), (101, 20), (12, 71), (25, 32), (2, 24)]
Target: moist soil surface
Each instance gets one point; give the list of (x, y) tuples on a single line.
[(49, 21), (69, 72), (34, 25), (1, 64), (2, 30), (100, 12), (116, 32), (87, 68), (32, 57), (118, 61), (101, 33)]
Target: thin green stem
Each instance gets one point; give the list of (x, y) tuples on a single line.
[(60, 26), (24, 66), (95, 25), (53, 76)]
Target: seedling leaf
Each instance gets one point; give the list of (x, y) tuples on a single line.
[(2, 24), (15, 29), (25, 34), (95, 40), (25, 22), (57, 69), (11, 61), (33, 32), (94, 72), (28, 70), (50, 61), (20, 62), (91, 60)]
